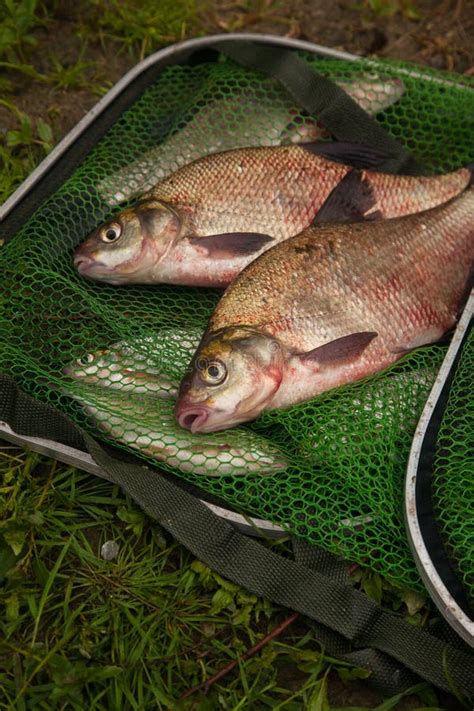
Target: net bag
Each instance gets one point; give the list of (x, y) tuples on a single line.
[(329, 471)]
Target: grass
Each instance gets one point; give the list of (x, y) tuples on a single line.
[(136, 632), (134, 28), (142, 26), (384, 8)]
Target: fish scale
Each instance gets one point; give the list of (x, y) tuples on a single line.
[(244, 186), (359, 296), (343, 272), (243, 190), (223, 121)]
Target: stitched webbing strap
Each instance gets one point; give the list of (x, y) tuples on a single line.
[(247, 562)]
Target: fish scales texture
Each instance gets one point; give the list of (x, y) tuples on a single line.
[(235, 122), (398, 195), (130, 399), (205, 223), (279, 191), (272, 191), (394, 277), (140, 423)]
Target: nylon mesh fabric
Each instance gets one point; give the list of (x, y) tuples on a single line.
[(331, 470)]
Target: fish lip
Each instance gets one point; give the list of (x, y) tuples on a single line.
[(199, 416), (87, 265), (82, 259)]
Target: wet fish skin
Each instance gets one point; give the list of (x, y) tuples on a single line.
[(328, 307), (202, 225), (134, 365), (261, 122), (146, 423)]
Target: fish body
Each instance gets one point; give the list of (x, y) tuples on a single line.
[(131, 400), (328, 307), (238, 121), (202, 225)]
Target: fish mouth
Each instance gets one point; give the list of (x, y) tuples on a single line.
[(192, 418), (84, 264), (92, 269)]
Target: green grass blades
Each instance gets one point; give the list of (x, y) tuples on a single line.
[(17, 20), (78, 631), (24, 147), (136, 632), (141, 26)]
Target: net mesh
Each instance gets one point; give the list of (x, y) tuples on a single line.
[(453, 470), (330, 470)]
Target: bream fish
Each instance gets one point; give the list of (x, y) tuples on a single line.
[(328, 307), (238, 121), (202, 225)]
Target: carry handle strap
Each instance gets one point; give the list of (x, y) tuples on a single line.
[(323, 99), (247, 562)]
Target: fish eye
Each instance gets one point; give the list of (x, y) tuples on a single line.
[(86, 360), (111, 233), (214, 372)]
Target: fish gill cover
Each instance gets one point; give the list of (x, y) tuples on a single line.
[(335, 465)]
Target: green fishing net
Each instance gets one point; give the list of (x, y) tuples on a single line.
[(331, 470), (453, 469)]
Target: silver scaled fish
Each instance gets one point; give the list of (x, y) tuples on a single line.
[(238, 121), (129, 400)]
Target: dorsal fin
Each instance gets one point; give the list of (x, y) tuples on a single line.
[(350, 201)]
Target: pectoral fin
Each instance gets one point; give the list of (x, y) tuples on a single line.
[(232, 244), (350, 201), (341, 349)]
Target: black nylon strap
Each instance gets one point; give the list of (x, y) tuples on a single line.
[(386, 674), (247, 562), (321, 97)]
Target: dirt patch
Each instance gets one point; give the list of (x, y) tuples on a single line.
[(438, 34), (62, 107)]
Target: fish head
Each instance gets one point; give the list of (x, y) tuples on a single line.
[(233, 376), (103, 367), (128, 247)]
